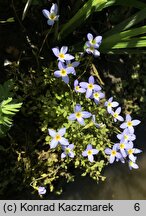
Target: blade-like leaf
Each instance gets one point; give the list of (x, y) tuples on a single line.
[(111, 41), (28, 3), (88, 8), (126, 24)]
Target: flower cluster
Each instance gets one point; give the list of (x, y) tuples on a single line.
[(124, 148), (65, 65)]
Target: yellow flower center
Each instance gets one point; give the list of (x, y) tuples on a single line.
[(96, 95), (89, 152), (61, 55), (57, 137), (115, 115), (77, 88), (130, 163), (122, 146), (113, 152), (130, 151), (63, 72), (92, 48), (109, 104), (125, 137), (52, 16), (90, 86), (78, 114), (129, 124), (93, 42), (69, 65), (67, 150)]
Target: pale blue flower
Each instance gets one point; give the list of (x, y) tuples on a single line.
[(131, 151), (110, 104), (133, 165), (93, 44), (68, 150), (90, 86), (89, 152), (79, 115), (62, 54), (57, 137), (97, 95), (73, 65), (126, 136), (113, 153), (41, 190), (77, 88), (116, 115), (129, 123), (63, 72), (51, 15)]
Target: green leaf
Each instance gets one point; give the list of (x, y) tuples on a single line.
[(88, 8), (28, 3), (111, 41), (126, 24)]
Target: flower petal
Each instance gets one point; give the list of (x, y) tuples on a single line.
[(53, 143), (64, 49), (107, 151), (90, 158), (88, 93), (89, 147), (54, 8), (46, 13), (84, 153), (57, 73), (135, 122), (111, 159), (90, 36), (64, 141), (81, 121), (91, 79), (56, 51), (95, 151), (78, 108), (65, 79), (86, 114), (52, 133), (69, 57), (83, 84), (62, 131), (50, 22), (72, 117), (63, 155)]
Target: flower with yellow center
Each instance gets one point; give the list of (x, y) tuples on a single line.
[(113, 153), (58, 137), (129, 123), (68, 151), (79, 115), (51, 15), (90, 86), (89, 152), (62, 54)]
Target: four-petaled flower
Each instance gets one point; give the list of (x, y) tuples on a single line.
[(131, 151), (113, 153), (110, 103), (79, 115), (92, 44), (129, 123), (51, 15), (63, 72), (41, 190), (77, 88), (116, 115), (90, 87), (73, 65), (97, 95), (57, 137), (68, 151), (133, 165), (126, 136), (89, 152), (62, 54)]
